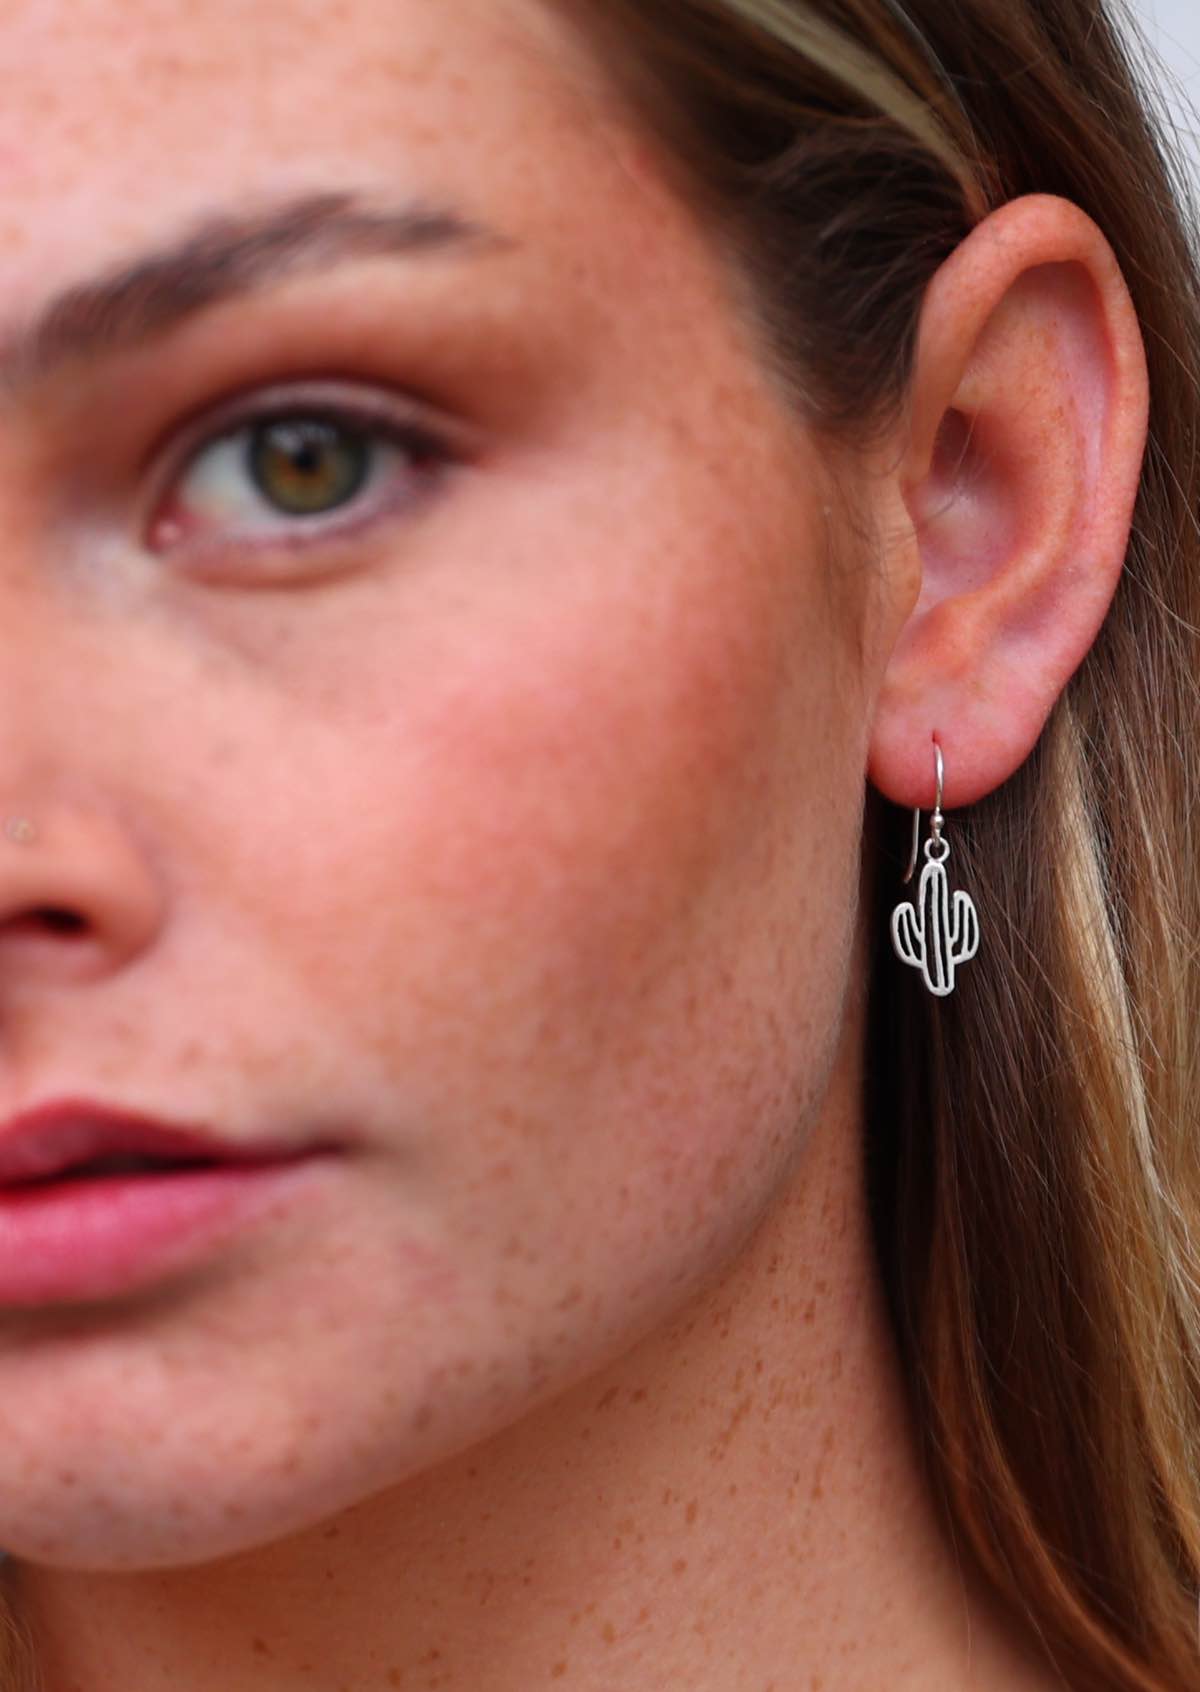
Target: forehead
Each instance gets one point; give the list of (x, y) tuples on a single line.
[(124, 118)]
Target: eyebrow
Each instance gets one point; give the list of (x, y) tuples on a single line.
[(223, 257)]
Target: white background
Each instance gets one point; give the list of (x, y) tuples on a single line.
[(1173, 30)]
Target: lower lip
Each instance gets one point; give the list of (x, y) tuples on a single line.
[(94, 1238)]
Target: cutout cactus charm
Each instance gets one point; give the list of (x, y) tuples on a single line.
[(936, 932), (939, 932)]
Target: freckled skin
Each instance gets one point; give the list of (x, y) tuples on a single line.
[(527, 850)]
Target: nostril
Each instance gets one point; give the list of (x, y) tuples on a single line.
[(62, 922)]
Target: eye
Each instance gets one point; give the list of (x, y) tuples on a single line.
[(294, 474), (304, 466)]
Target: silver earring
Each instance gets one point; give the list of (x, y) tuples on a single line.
[(935, 933)]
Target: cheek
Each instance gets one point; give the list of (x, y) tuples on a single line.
[(602, 990), (583, 924), (571, 867), (596, 787)]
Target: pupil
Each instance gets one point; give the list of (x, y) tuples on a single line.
[(306, 466)]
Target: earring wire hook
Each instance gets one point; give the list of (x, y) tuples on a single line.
[(938, 819)]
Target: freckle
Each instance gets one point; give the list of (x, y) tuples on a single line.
[(678, 1566), (775, 1301), (810, 1311), (642, 1615), (609, 1398), (263, 1649), (558, 1671), (638, 1396), (758, 1367), (617, 1544), (691, 1511), (610, 1633), (68, 1476), (773, 1265)]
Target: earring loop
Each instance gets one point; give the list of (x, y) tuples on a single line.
[(936, 820), (935, 932)]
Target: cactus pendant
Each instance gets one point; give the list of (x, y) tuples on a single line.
[(937, 931)]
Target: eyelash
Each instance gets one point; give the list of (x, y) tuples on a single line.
[(428, 451)]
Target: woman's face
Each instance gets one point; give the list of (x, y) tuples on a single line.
[(494, 806)]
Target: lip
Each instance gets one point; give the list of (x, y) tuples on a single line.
[(93, 1239), (65, 1133)]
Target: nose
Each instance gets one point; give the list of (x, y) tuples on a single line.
[(78, 894)]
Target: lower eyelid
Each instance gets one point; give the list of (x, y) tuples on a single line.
[(201, 552), (393, 443)]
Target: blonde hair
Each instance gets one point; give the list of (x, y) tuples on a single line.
[(1034, 1141)]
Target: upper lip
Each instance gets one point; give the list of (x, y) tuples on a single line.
[(66, 1133)]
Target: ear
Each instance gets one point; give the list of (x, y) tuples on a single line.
[(1016, 485)]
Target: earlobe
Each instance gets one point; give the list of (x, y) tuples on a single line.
[(1026, 432)]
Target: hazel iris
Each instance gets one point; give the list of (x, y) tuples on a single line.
[(307, 465)]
